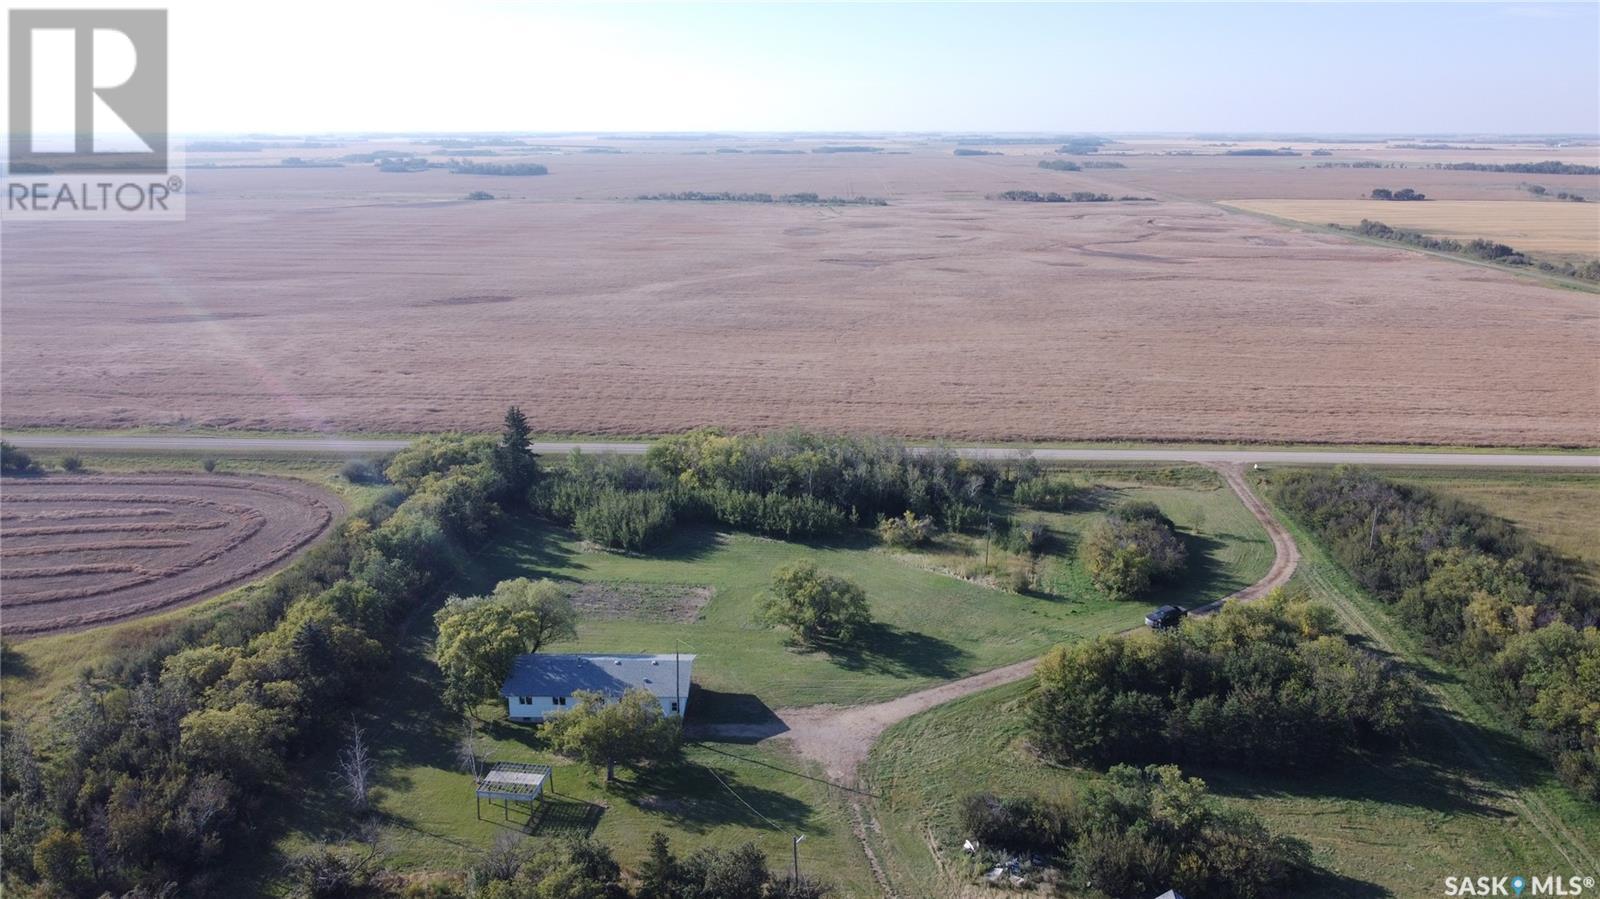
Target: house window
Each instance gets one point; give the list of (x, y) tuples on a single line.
[(524, 700), (558, 700), (674, 705)]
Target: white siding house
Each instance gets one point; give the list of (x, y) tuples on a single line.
[(542, 684)]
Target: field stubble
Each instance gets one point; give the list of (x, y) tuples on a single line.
[(356, 300)]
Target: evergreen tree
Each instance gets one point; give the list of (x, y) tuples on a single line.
[(513, 458)]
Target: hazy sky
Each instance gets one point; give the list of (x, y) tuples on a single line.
[(1347, 67)]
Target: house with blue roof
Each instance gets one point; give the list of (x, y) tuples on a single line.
[(542, 684)]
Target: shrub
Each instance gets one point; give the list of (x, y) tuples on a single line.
[(1020, 824), (905, 531), (629, 521), (819, 607), (71, 463), (361, 471), (1024, 538), (209, 464), (480, 195), (1130, 549), (1047, 494), (15, 461)]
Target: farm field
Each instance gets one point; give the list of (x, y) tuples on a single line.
[(335, 299), (1557, 510), (1537, 226), (87, 550)]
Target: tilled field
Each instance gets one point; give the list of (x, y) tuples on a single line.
[(85, 550), (346, 299)]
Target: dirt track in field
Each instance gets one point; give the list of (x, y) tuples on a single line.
[(839, 739), (80, 551)]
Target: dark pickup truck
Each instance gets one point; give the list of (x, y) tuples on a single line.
[(1165, 617)]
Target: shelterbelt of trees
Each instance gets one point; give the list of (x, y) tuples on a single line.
[(154, 767), (791, 484), (1518, 619), (1271, 684)]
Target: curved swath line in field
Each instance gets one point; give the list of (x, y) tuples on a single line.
[(309, 516), (146, 575), (102, 546), (83, 513), (125, 528), (86, 568)]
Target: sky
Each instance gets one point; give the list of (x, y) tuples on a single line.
[(1422, 68)]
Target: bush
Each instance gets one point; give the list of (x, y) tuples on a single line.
[(628, 521), (361, 471), (480, 195), (906, 531), (1019, 824), (1140, 831), (209, 464), (819, 607), (15, 461), (1130, 549), (1025, 538), (71, 463), (1047, 494)]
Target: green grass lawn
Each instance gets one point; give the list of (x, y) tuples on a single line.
[(1471, 797), (930, 627), (1390, 826), (430, 819)]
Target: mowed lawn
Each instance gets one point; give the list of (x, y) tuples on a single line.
[(930, 627)]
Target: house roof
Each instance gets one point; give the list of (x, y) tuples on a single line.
[(562, 674)]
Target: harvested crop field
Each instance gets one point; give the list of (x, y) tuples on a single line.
[(354, 300), (83, 551), (1536, 226)]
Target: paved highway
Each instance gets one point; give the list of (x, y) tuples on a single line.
[(357, 447)]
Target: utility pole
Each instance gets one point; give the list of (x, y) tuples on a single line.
[(797, 838)]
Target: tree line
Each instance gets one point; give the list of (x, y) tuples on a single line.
[(468, 167), (1486, 250), (1403, 194), (1269, 684), (1547, 167), (800, 199), (791, 484), (1515, 616), (1077, 196)]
